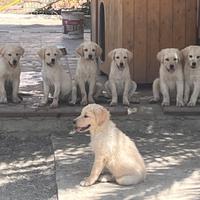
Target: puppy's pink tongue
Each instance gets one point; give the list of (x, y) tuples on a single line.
[(78, 129)]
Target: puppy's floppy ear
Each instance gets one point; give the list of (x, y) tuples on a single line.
[(98, 50), (101, 115), (185, 51), (111, 54), (59, 53), (2, 50), (79, 51), (180, 55), (160, 56), (129, 54), (21, 50), (41, 53)]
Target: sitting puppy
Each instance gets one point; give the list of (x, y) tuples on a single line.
[(171, 77), (191, 74), (112, 148), (10, 72), (86, 71), (55, 80), (120, 83)]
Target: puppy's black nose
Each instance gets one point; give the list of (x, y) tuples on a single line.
[(90, 56), (194, 64), (14, 62), (121, 64), (74, 121), (171, 66), (53, 60)]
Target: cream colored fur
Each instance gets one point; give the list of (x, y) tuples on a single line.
[(55, 79), (10, 71), (120, 83), (86, 71), (112, 148), (191, 74), (171, 77)]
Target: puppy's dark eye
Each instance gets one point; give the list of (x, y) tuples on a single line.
[(55, 54), (86, 116), (9, 54), (175, 59), (125, 57), (17, 54), (117, 57), (93, 50), (86, 50), (198, 57), (48, 54), (190, 56), (167, 59)]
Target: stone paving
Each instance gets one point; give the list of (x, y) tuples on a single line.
[(40, 158)]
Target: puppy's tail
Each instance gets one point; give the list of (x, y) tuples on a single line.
[(156, 91)]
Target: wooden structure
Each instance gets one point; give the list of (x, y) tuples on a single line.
[(144, 27)]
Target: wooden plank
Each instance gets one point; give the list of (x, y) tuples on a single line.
[(118, 22), (153, 14), (140, 38), (94, 20), (179, 23), (128, 29), (191, 22), (166, 31), (104, 67)]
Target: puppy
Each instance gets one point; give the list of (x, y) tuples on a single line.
[(86, 71), (171, 77), (112, 148), (120, 83), (55, 80), (191, 74), (10, 72)]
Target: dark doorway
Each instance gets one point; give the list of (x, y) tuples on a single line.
[(102, 30)]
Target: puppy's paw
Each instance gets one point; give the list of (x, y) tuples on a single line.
[(154, 100), (91, 100), (3, 99), (86, 182), (126, 102), (113, 103), (165, 103), (191, 104), (180, 103), (54, 105), (185, 100), (72, 102), (16, 100), (84, 102)]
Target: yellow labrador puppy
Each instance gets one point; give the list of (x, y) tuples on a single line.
[(191, 74), (55, 79), (120, 83), (10, 72), (112, 148), (171, 77), (86, 71)]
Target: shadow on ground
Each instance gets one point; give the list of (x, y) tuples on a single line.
[(27, 170)]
